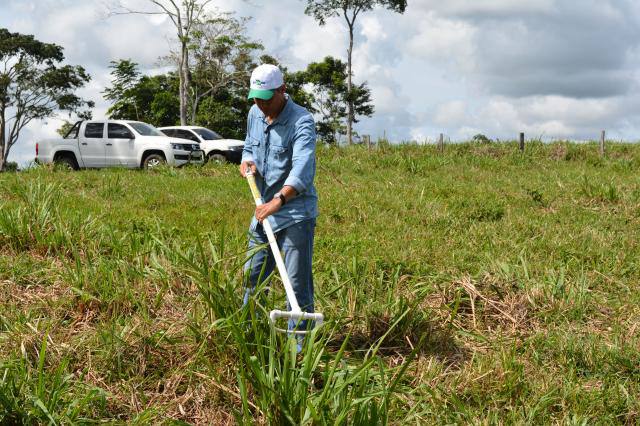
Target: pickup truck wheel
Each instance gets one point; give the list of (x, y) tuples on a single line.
[(216, 157), (152, 161), (66, 162)]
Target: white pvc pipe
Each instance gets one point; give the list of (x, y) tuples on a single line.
[(295, 313)]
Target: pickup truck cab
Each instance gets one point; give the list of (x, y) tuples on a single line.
[(215, 147), (117, 143)]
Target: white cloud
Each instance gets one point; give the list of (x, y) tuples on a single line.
[(487, 7), (444, 40), (578, 110), (549, 117), (388, 99), (450, 113), (312, 43), (372, 29)]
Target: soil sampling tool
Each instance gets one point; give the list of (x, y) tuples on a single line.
[(295, 313)]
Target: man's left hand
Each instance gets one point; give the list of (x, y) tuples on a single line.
[(267, 209)]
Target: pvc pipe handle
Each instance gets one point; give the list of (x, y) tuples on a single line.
[(277, 256), (318, 318), (254, 188)]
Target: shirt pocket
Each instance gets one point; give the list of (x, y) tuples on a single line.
[(254, 145), (253, 141), (279, 161)]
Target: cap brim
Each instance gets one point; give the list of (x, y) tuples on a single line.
[(260, 94)]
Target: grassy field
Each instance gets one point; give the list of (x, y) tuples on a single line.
[(481, 285)]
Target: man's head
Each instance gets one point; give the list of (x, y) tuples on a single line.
[(267, 89)]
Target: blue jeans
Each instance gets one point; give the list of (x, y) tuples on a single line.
[(296, 246)]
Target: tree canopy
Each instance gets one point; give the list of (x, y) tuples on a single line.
[(330, 97), (321, 10), (122, 93), (184, 15), (33, 85), (223, 57), (151, 99)]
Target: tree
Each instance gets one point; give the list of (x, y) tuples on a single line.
[(481, 139), (125, 78), (322, 10), (152, 99), (64, 129), (11, 166), (223, 57), (296, 82), (184, 17), (330, 97), (33, 85)]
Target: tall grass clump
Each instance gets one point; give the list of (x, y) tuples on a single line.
[(45, 394), (35, 221), (277, 384)]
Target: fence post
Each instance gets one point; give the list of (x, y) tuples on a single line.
[(522, 141), (441, 143), (367, 139), (602, 135)]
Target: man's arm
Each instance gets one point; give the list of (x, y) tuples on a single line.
[(288, 192), (303, 167), (247, 154), (271, 207)]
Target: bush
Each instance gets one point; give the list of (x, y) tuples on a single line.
[(11, 166), (480, 138)]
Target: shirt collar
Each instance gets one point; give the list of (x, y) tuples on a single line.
[(283, 117)]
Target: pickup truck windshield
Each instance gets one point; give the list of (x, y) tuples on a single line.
[(207, 135), (145, 129)]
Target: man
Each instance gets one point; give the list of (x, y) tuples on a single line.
[(280, 151)]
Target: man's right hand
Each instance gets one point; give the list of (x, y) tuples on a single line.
[(247, 165)]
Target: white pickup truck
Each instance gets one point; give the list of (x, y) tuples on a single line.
[(117, 143)]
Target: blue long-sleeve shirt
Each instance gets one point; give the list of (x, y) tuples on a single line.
[(285, 154)]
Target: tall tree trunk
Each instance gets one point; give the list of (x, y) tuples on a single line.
[(3, 161), (184, 83), (194, 108), (2, 143), (350, 85)]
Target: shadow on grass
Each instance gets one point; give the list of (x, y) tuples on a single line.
[(413, 330)]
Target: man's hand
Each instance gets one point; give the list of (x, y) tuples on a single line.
[(267, 209), (247, 165)]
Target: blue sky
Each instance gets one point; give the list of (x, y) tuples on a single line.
[(550, 68)]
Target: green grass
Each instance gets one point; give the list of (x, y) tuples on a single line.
[(481, 285)]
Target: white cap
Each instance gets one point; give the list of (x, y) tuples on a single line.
[(264, 80)]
